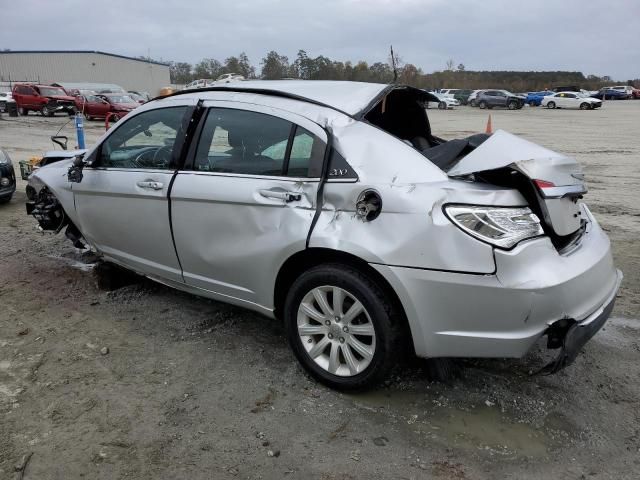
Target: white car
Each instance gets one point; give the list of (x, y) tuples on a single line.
[(448, 92), (472, 98), (571, 100), (200, 83), (228, 78), (443, 102), (628, 89), (5, 97)]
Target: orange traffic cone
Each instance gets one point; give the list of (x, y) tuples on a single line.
[(489, 129)]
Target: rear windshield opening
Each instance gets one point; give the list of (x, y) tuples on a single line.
[(402, 113)]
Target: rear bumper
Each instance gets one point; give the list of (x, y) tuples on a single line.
[(504, 314)]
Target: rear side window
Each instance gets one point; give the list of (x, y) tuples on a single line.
[(252, 143)]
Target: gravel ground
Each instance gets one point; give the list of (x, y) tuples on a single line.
[(146, 382)]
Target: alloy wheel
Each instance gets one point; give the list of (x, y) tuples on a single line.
[(336, 331)]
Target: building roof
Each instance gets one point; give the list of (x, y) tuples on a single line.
[(97, 52)]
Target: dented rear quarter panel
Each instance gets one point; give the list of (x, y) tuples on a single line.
[(412, 229)]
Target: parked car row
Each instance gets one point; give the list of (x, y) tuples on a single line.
[(209, 82), (49, 100), (534, 99)]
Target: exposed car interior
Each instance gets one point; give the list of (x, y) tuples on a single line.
[(402, 114)]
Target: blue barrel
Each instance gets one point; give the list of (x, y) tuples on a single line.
[(79, 130)]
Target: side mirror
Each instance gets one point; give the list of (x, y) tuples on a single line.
[(74, 175)]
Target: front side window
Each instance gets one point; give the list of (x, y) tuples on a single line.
[(252, 143), (145, 141)]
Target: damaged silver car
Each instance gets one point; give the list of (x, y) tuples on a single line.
[(332, 206)]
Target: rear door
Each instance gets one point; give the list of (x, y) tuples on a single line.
[(122, 201), (247, 200)]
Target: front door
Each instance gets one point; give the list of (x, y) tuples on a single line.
[(122, 201), (247, 201)]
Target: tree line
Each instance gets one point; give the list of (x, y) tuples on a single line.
[(275, 66)]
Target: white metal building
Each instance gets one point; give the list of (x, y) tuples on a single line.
[(59, 66)]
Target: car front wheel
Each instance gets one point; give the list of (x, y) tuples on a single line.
[(585, 106), (512, 105), (551, 105), (482, 104), (442, 106), (342, 327), (46, 111)]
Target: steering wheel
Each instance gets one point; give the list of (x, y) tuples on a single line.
[(164, 157), (143, 159)]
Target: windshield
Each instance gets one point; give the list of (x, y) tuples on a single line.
[(49, 91), (120, 99)]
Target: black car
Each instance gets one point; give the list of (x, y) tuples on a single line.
[(499, 98), (7, 177)]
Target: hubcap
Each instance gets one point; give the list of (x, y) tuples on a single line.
[(336, 331)]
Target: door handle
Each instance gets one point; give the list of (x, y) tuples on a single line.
[(150, 185), (281, 195)]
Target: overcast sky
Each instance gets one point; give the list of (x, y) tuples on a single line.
[(601, 38)]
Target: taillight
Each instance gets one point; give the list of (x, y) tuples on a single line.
[(544, 184)]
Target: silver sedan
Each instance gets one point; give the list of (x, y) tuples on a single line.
[(332, 206)]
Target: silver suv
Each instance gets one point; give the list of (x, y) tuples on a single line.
[(332, 206)]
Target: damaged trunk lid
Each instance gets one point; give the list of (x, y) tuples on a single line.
[(551, 182)]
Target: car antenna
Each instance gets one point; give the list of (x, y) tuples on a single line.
[(393, 65)]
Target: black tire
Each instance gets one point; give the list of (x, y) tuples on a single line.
[(24, 112), (88, 117), (472, 103), (482, 104), (5, 199), (551, 105), (512, 105), (585, 106), (46, 112), (114, 118), (532, 103), (442, 106), (386, 320)]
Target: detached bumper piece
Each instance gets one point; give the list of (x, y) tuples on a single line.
[(570, 336)]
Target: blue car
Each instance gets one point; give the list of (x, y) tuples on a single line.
[(611, 94), (534, 99)]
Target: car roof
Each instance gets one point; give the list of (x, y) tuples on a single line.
[(347, 97)]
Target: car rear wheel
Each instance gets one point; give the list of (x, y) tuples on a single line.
[(512, 105), (551, 105), (585, 106), (342, 327), (472, 103), (482, 104), (442, 106), (114, 118)]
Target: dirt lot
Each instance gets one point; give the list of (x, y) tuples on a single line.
[(191, 388)]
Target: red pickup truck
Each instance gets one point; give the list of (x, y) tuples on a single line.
[(42, 98)]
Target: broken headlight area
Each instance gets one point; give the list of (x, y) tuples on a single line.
[(46, 209), (503, 227)]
